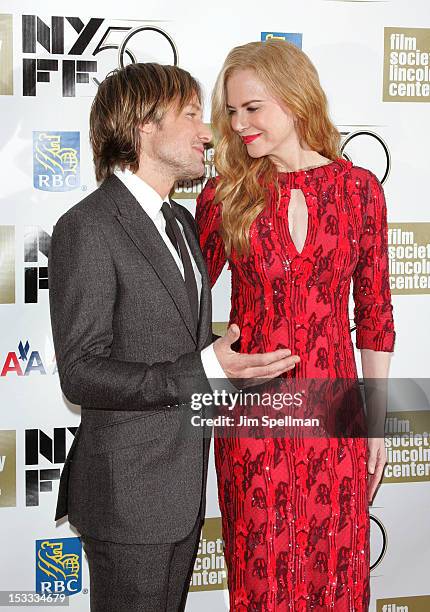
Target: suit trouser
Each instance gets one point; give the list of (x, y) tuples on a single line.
[(141, 577)]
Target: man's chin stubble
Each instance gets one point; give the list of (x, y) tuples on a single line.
[(189, 174)]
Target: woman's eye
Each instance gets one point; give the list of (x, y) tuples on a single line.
[(251, 109), (230, 111), (191, 114)]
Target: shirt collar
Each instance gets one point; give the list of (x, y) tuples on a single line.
[(148, 198)]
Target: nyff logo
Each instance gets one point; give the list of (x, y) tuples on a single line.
[(59, 566), (37, 243), (76, 55), (43, 450), (56, 161), (36, 252)]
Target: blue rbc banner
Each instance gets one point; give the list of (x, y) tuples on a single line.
[(59, 566), (56, 161), (292, 37)]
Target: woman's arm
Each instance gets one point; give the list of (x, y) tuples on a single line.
[(373, 315), (375, 366)]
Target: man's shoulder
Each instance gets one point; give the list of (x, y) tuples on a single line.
[(90, 209)]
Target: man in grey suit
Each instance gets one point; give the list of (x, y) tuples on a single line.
[(131, 319)]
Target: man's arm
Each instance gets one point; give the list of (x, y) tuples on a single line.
[(83, 290)]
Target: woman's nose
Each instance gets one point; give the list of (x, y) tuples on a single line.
[(238, 123)]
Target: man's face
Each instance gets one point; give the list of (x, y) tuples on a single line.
[(176, 145)]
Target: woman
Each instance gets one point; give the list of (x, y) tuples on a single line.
[(296, 223)]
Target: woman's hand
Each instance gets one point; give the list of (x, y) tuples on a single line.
[(375, 464)]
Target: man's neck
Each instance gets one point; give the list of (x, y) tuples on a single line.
[(161, 183)]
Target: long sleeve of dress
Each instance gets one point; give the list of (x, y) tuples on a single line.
[(208, 218), (373, 312)]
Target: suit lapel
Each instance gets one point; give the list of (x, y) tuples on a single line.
[(142, 231)]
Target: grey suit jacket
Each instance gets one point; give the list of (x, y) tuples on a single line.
[(129, 354)]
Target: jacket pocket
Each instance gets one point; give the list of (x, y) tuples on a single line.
[(127, 433)]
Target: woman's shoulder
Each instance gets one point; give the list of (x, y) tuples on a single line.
[(365, 175), (207, 209), (365, 189), (206, 204), (208, 192)]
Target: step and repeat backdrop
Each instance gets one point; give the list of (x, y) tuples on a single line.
[(374, 60)]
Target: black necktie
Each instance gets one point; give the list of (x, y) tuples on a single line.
[(175, 236)]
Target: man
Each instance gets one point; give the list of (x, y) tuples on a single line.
[(131, 320)]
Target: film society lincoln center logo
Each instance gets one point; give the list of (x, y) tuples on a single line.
[(59, 566), (406, 65), (417, 603), (56, 161), (7, 469), (409, 258), (210, 571), (6, 55)]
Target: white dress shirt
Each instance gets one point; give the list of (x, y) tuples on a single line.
[(151, 202)]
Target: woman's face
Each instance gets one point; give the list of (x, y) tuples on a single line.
[(266, 127)]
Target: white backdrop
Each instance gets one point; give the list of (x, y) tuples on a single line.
[(46, 167)]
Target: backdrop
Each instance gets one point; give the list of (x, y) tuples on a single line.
[(373, 61)]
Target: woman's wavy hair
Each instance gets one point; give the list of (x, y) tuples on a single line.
[(126, 99), (292, 79)]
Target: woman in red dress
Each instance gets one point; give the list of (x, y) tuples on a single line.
[(296, 223)]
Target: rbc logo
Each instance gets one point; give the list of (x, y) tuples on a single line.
[(58, 566), (293, 37), (56, 160)]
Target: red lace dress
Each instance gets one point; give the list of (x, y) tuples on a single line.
[(295, 512)]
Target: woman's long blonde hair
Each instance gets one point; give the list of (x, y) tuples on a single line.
[(292, 79)]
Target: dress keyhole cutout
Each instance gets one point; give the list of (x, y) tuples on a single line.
[(298, 219)]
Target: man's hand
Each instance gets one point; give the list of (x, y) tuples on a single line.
[(375, 464), (251, 369)]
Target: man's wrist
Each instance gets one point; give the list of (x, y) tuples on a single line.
[(216, 376), (211, 365)]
